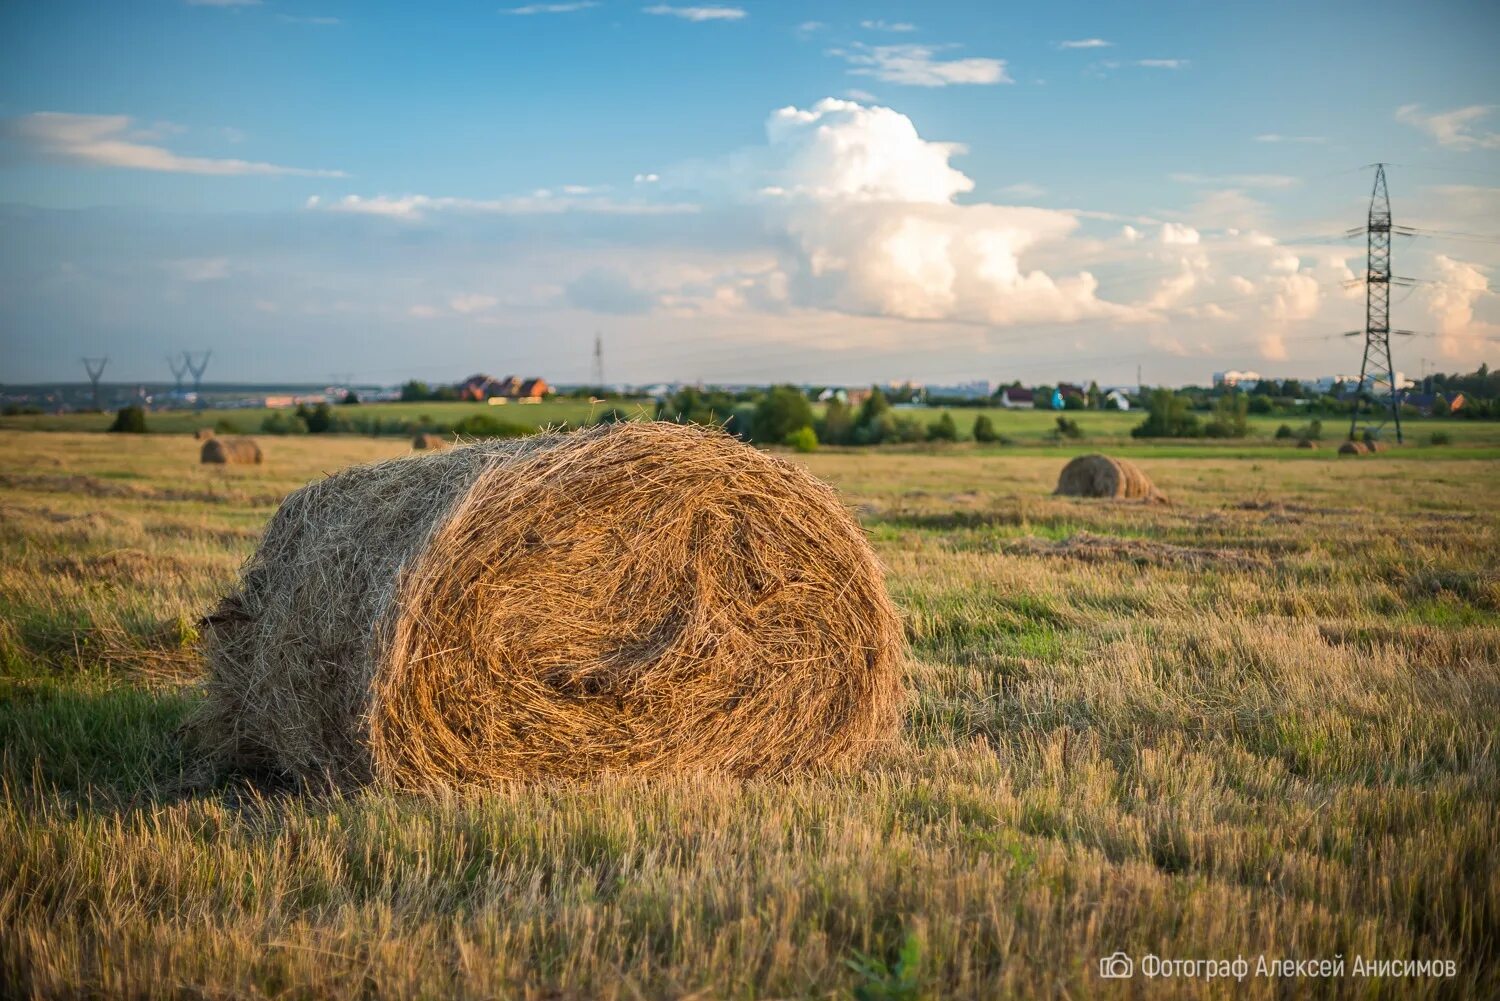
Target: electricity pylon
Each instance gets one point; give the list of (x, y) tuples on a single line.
[(1377, 370), (95, 368)]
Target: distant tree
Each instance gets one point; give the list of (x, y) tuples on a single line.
[(129, 420), (1257, 403), (1440, 406), (319, 419), (351, 398), (984, 429), (225, 426), (1068, 428), (485, 426), (281, 422), (1071, 402), (837, 425), (804, 439), (944, 429), (691, 405), (875, 422), (1284, 432), (1095, 397), (1229, 420), (781, 411), (1168, 417), (1044, 397), (415, 391)]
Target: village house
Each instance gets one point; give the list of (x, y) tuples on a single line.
[(1013, 398)]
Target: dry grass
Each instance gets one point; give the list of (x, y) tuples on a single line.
[(1291, 752), (429, 442), (231, 451), (634, 598)]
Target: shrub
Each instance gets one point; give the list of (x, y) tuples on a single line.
[(129, 420), (837, 425), (485, 426), (1068, 428), (804, 439), (909, 429), (984, 429), (1168, 418), (944, 429), (783, 411), (1229, 417), (281, 422), (1440, 438), (226, 426), (1285, 431)]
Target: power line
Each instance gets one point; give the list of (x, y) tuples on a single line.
[(95, 368), (1377, 330)]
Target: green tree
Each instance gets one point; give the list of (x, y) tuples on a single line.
[(129, 420), (1095, 397), (984, 429), (415, 391), (781, 411), (944, 429), (351, 398), (1168, 417), (1229, 420), (804, 439), (319, 419), (837, 425)]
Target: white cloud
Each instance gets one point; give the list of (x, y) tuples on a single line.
[(898, 27), (198, 269), (551, 8), (1163, 64), (647, 178), (920, 65), (1453, 129), (1024, 189), (711, 13), (1276, 137), (543, 202), (108, 141), (810, 27), (466, 305), (1171, 232), (1240, 180), (1459, 286), (1085, 43)]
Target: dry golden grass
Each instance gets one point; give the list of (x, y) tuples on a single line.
[(1259, 721)]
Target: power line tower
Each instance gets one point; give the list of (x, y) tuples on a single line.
[(179, 371), (1377, 370), (599, 361), (197, 367), (95, 368)]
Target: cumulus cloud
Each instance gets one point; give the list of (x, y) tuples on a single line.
[(920, 65), (712, 13), (471, 303), (1085, 43), (541, 202), (1451, 304), (110, 141), (1163, 64), (551, 8), (610, 291), (1454, 129), (898, 27)]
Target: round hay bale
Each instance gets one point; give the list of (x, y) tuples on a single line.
[(1372, 445), (231, 451), (1352, 448), (203, 434), (1100, 476), (627, 598), (1307, 443), (427, 442)]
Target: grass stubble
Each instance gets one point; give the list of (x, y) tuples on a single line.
[(1261, 720)]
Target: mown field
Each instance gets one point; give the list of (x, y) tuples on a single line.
[(1261, 720)]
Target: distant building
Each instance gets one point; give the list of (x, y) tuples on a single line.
[(1118, 396), (1233, 378), (485, 387), (1012, 398)]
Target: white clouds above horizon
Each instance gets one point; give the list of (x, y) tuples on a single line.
[(1239, 180), (698, 14), (573, 198), (897, 27), (1163, 64), (551, 8), (1085, 43), (1453, 129), (920, 65), (110, 141), (1275, 137)]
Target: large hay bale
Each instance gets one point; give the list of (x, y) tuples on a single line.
[(203, 434), (231, 451), (1100, 476), (638, 597), (429, 442), (1352, 448), (1307, 443)]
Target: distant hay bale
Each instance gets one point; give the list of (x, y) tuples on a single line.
[(1307, 443), (231, 451), (429, 442), (203, 434), (628, 598), (1353, 448), (1100, 476), (1372, 445)]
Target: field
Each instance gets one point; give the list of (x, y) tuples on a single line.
[(1261, 720)]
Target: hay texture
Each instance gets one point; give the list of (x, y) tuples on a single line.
[(1100, 476), (231, 451), (1307, 443), (203, 434), (1353, 448), (641, 598), (429, 442)]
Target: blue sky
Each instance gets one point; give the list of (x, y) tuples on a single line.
[(813, 192)]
